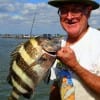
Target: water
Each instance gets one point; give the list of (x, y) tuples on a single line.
[(6, 46)]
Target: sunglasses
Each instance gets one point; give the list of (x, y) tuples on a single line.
[(74, 10)]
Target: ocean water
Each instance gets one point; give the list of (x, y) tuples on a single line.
[(7, 45)]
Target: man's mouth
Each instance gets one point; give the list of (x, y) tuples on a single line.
[(71, 21)]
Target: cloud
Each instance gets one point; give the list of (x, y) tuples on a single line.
[(17, 17), (95, 18)]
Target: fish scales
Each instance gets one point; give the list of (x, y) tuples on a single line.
[(21, 82), (18, 86), (27, 80), (31, 49), (30, 63), (26, 68)]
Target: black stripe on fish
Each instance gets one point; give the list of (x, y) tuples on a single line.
[(30, 49), (21, 83), (26, 68)]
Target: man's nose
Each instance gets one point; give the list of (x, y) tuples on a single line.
[(69, 15)]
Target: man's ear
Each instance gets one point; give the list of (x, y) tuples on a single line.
[(88, 11)]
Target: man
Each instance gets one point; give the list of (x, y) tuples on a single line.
[(81, 53)]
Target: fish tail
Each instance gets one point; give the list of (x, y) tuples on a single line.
[(14, 95)]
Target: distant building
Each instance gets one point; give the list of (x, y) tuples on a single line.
[(47, 35)]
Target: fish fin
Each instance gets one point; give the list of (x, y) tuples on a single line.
[(14, 95), (9, 79), (11, 98), (14, 54), (27, 95), (47, 77), (15, 51)]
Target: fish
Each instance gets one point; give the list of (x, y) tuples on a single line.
[(30, 62)]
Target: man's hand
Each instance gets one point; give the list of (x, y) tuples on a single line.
[(67, 56)]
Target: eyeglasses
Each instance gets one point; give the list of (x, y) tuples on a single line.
[(74, 10)]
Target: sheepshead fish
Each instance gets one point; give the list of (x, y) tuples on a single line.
[(29, 64)]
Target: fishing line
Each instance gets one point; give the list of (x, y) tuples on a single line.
[(33, 21)]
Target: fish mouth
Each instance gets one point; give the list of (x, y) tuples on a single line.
[(52, 48), (50, 52)]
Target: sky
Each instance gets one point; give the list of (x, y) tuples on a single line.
[(17, 16)]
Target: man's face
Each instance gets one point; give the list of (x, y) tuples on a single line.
[(74, 19)]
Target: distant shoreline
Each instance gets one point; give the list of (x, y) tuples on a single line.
[(16, 37), (21, 36)]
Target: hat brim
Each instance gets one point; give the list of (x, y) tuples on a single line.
[(59, 3)]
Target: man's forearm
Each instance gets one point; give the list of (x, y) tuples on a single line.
[(90, 79)]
